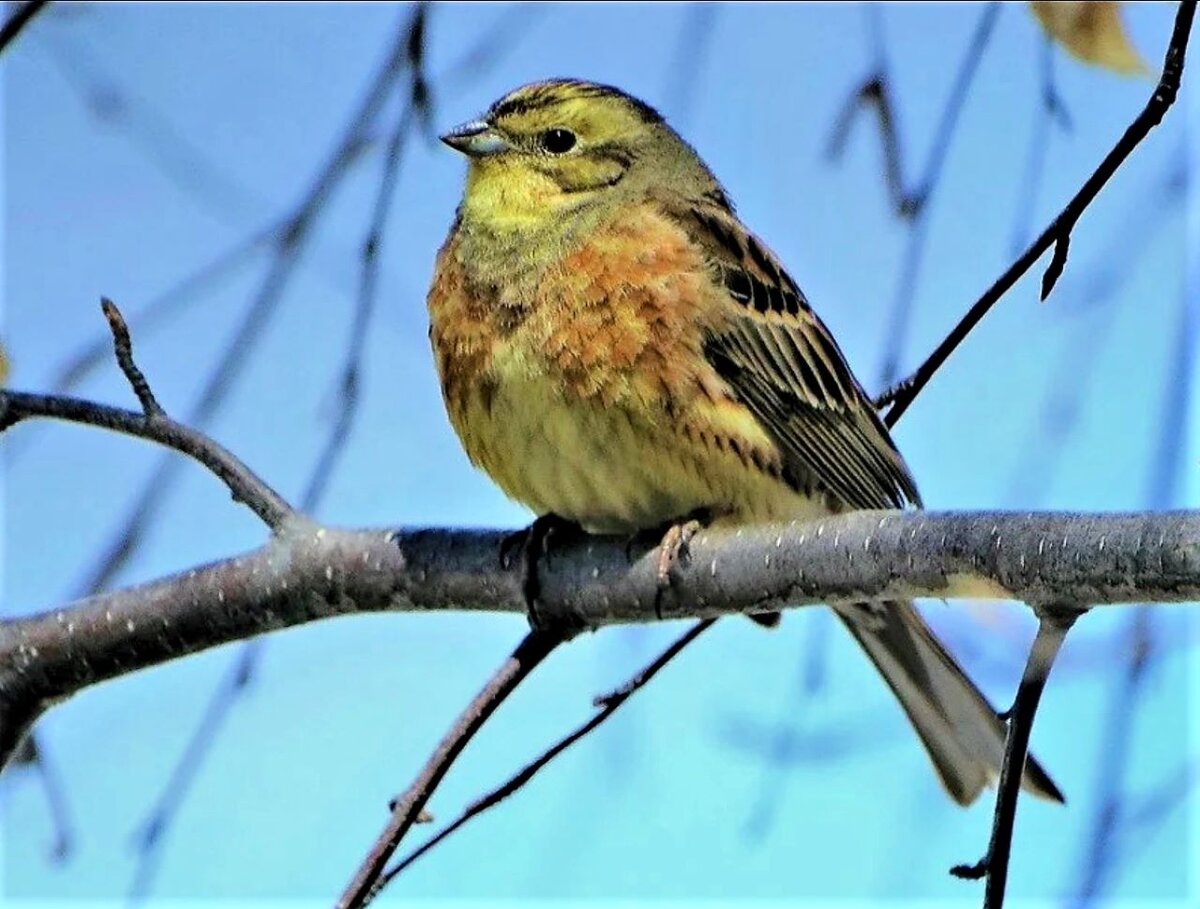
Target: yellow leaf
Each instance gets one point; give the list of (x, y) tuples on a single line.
[(1092, 31), (3, 365)]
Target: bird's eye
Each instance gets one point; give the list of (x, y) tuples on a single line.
[(557, 141)]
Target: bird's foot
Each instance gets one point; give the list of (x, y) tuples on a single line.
[(531, 545), (673, 552)]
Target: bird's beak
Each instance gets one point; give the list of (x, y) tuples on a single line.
[(476, 139)]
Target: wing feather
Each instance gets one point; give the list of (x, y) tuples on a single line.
[(782, 363)]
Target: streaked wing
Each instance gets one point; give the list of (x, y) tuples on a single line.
[(783, 364)]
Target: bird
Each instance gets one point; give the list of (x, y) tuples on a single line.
[(618, 351)]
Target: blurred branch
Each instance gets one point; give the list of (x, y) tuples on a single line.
[(32, 754), (1049, 109), (1113, 760), (1058, 234), (689, 59), (152, 835), (906, 286), (187, 164), (236, 355), (500, 39), (875, 92), (1092, 297), (912, 203), (171, 302), (20, 18), (1118, 739)]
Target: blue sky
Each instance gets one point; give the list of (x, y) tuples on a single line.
[(219, 117)]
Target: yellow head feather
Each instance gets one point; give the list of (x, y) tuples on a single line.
[(566, 149)]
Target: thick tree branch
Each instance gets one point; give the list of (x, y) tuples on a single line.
[(307, 573)]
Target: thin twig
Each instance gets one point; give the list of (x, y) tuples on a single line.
[(1052, 631), (154, 426), (608, 704), (18, 20), (905, 392), (534, 648), (123, 346)]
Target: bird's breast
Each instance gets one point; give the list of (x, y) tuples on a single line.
[(593, 399)]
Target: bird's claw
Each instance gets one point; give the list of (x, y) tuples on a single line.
[(531, 545), (673, 551)]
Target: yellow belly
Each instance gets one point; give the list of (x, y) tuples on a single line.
[(608, 469)]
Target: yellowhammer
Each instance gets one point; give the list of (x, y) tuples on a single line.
[(615, 348)]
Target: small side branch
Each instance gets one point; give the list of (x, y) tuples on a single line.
[(535, 647), (1052, 630), (607, 705), (18, 20), (153, 425), (1058, 234), (123, 346)]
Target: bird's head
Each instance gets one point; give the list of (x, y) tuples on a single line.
[(552, 148)]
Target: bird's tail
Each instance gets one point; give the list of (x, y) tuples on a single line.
[(960, 729)]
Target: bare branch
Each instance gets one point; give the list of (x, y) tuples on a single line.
[(18, 20), (608, 704), (1052, 631), (534, 647), (245, 485), (1057, 234), (123, 346), (308, 573)]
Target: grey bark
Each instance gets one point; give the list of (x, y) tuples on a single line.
[(307, 572)]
